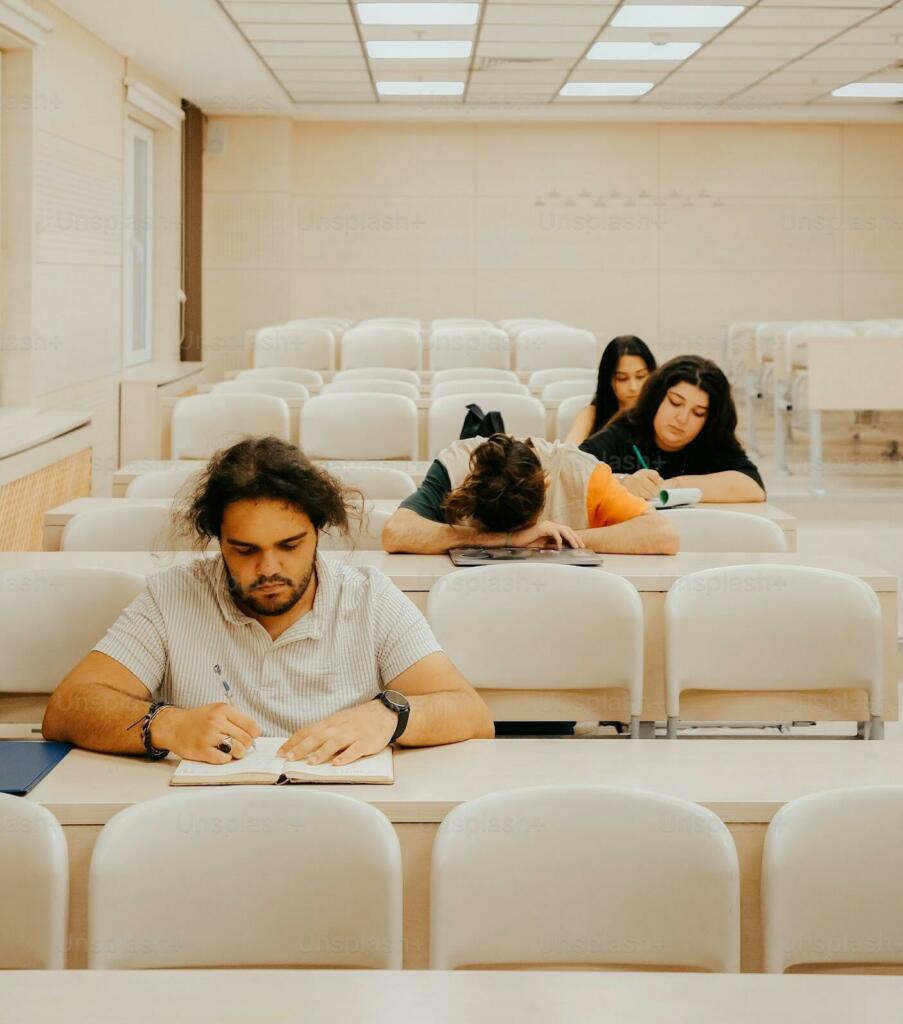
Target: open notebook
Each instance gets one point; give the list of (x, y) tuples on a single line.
[(679, 497), (262, 767)]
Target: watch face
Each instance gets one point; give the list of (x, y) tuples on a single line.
[(396, 701)]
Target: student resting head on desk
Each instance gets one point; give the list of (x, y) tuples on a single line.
[(684, 426), (335, 657), (499, 492)]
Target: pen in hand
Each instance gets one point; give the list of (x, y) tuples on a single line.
[(663, 495), (228, 690)]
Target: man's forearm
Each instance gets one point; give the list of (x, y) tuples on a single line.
[(408, 532), (95, 716), (446, 717), (648, 534), (728, 486)]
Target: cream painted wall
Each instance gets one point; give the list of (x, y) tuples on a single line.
[(701, 225)]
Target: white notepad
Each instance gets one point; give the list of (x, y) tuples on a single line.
[(263, 767), (678, 497)]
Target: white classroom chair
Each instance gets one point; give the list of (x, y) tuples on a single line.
[(773, 627), (186, 880), (203, 424), (262, 386), (379, 373), (311, 379), (710, 529), (474, 373), (459, 321), (524, 416), (311, 348), (34, 887), (375, 483), (358, 385), (392, 321), (127, 527), (540, 378), (360, 426), (78, 605), (567, 413), (479, 387), (522, 323), (832, 890), (574, 876), (485, 619), (542, 348), (382, 345), (464, 345), (558, 390), (164, 483), (364, 534), (336, 324)]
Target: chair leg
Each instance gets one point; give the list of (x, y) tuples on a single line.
[(876, 728), (672, 727), (634, 727)]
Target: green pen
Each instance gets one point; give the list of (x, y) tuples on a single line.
[(662, 495)]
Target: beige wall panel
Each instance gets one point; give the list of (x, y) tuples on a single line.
[(873, 233), (872, 295), (257, 156), (872, 160), (236, 301)]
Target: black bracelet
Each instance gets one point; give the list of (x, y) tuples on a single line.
[(154, 753)]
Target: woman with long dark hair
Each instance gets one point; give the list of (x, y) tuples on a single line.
[(684, 425), (623, 370)]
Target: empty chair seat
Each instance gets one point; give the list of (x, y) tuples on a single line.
[(360, 426), (223, 896), (524, 416), (164, 483), (375, 483), (312, 348), (311, 379), (382, 345), (541, 348), (709, 529), (202, 424), (356, 385), (538, 380), (567, 413), (473, 373), (365, 532), (126, 528), (469, 345), (584, 876), (262, 386), (478, 387), (34, 885), (379, 373), (557, 390)]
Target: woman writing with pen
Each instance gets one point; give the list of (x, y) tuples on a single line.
[(684, 428)]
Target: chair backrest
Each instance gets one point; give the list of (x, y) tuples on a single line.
[(295, 345), (524, 416), (382, 345), (709, 529), (467, 345), (473, 373), (246, 876), (459, 321), (478, 387), (375, 482), (34, 886), (540, 378), (831, 882), (359, 385), (392, 321), (567, 413), (126, 527), (262, 386), (379, 373), (558, 390), (202, 424), (596, 611), (772, 627), (541, 348), (360, 426), (365, 534), (77, 605), (584, 875), (163, 483), (336, 324), (311, 379)]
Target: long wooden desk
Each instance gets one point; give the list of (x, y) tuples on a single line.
[(445, 997), (55, 519), (744, 783), (653, 576)]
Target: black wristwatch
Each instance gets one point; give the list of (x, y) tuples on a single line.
[(398, 703)]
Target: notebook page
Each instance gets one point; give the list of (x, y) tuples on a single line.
[(262, 760), (375, 765), (678, 496)]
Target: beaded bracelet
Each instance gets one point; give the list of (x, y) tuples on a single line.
[(154, 753)]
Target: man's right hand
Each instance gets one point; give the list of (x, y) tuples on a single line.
[(546, 535), (195, 733)]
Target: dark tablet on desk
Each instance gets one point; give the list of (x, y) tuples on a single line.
[(550, 556)]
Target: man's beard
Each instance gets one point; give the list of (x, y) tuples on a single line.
[(245, 599)]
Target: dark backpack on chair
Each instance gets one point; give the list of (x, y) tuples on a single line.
[(481, 424)]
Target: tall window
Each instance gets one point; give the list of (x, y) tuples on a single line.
[(139, 244)]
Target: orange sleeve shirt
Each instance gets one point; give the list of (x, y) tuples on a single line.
[(608, 502)]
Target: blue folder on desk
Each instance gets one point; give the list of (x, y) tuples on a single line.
[(23, 763)]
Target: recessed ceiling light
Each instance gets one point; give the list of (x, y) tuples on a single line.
[(642, 51), (606, 88), (418, 49), (872, 90), (418, 14), (675, 16), (420, 88)]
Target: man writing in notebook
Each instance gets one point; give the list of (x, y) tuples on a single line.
[(333, 656)]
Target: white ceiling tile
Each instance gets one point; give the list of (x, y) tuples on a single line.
[(581, 34), (661, 35), (811, 36), (309, 13), (324, 76), (271, 32), (889, 19), (743, 51), (538, 75), (565, 13), (863, 5), (801, 17), (582, 74), (491, 48), (302, 49), (409, 34), (278, 64), (870, 35)]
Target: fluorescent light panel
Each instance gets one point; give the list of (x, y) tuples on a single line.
[(872, 90), (418, 49), (420, 88), (642, 51), (606, 88), (418, 14), (675, 16)]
